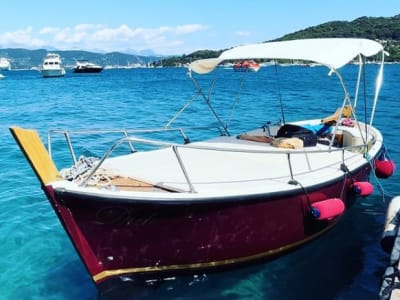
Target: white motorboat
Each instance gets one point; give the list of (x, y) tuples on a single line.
[(5, 64), (230, 199), (52, 66)]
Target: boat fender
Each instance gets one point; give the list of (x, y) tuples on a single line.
[(327, 209), (392, 223), (363, 188), (384, 168)]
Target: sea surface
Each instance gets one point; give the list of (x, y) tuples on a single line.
[(37, 260)]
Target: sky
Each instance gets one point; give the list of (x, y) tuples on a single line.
[(169, 27)]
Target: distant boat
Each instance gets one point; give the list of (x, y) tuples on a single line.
[(227, 65), (247, 65), (52, 66), (84, 66), (2, 76), (5, 64)]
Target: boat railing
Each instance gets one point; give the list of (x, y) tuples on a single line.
[(289, 153), (134, 141), (125, 132)]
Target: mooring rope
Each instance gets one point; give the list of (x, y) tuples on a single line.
[(79, 172)]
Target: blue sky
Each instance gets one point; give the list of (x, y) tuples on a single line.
[(169, 26)]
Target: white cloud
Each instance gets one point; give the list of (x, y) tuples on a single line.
[(48, 30), (190, 28), (243, 33), (80, 27), (21, 38), (164, 39)]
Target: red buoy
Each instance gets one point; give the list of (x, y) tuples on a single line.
[(384, 168), (363, 188), (328, 209)]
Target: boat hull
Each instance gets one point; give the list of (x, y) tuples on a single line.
[(120, 238), (53, 73), (87, 70), (246, 69)]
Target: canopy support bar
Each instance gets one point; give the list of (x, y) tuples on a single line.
[(207, 101)]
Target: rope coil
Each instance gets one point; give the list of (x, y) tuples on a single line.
[(79, 172)]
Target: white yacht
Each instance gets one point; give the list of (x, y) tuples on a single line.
[(5, 64), (52, 66)]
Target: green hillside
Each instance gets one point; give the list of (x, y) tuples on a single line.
[(384, 30), (26, 59)]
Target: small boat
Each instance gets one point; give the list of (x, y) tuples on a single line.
[(84, 66), (52, 66), (149, 207), (2, 76), (5, 64), (246, 65)]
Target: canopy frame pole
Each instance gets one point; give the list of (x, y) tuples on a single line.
[(237, 97), (378, 86), (207, 101), (279, 93), (187, 104), (347, 100), (360, 63)]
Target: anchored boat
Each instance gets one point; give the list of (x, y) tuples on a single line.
[(247, 65), (5, 64), (161, 207), (84, 66), (52, 66)]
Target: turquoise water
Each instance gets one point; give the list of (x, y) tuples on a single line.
[(39, 262)]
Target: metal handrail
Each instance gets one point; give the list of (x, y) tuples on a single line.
[(67, 134), (175, 147), (133, 139)]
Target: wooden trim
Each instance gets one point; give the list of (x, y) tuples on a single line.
[(36, 153)]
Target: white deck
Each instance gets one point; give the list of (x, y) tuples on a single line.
[(212, 171), (221, 173)]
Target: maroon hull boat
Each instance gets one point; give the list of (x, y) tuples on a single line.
[(226, 200), (156, 237)]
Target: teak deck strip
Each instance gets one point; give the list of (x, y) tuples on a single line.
[(130, 184)]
